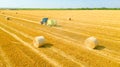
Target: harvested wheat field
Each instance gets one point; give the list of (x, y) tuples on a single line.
[(64, 45)]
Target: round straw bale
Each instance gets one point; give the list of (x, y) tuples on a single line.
[(39, 41), (7, 18), (70, 19), (16, 12), (91, 42)]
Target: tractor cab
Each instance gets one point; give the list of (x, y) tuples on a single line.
[(44, 21)]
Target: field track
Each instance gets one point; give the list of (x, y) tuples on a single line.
[(65, 43)]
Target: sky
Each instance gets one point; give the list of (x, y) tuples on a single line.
[(59, 3)]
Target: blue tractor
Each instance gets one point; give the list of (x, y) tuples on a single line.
[(44, 21)]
